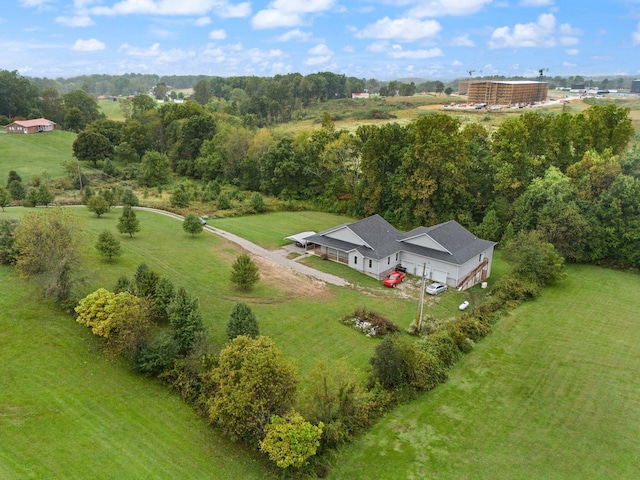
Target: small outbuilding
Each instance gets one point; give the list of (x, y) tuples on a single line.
[(36, 125)]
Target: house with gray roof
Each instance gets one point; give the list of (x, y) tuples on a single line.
[(447, 252)]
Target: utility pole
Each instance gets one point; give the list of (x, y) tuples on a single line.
[(422, 289)]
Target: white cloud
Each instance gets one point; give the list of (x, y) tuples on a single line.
[(77, 21), (635, 36), (274, 18), (217, 34), (320, 49), (462, 41), (34, 3), (538, 34), (397, 52), (567, 41), (202, 21), (156, 54), (401, 29), (221, 8), (456, 63), (566, 29), (295, 34), (91, 45), (289, 13), (572, 51), (441, 8), (535, 3), (314, 61), (567, 64), (302, 6)]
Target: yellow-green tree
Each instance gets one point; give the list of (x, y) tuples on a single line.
[(120, 318), (290, 440)]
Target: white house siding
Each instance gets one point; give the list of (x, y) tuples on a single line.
[(346, 235), (425, 241), (475, 261), (414, 264)]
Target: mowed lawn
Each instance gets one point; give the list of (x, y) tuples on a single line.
[(32, 155), (553, 393), (69, 412)]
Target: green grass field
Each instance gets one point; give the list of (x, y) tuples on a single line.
[(554, 382), (553, 393), (32, 155), (68, 412)]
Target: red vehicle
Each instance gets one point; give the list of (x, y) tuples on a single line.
[(393, 279)]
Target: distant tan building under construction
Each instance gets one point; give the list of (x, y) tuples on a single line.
[(504, 92)]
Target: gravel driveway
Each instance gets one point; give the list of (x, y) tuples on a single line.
[(276, 256)]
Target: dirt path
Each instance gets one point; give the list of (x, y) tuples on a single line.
[(277, 257)]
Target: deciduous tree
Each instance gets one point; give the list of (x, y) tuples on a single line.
[(121, 319), (48, 245), (192, 225), (5, 198), (252, 383), (92, 146), (108, 245), (290, 440), (98, 205)]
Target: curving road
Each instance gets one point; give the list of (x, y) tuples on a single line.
[(277, 256)]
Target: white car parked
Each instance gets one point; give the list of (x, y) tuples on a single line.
[(436, 288)]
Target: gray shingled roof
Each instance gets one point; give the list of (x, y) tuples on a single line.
[(385, 240)]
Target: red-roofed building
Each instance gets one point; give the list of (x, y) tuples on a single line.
[(31, 126)]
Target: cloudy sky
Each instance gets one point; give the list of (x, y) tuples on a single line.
[(382, 39)]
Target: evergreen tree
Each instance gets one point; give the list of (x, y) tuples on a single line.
[(242, 322), (186, 321), (17, 190), (129, 198), (244, 272), (128, 223)]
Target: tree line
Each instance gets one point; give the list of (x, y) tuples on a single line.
[(495, 182)]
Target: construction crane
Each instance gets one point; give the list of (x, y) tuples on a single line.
[(541, 72)]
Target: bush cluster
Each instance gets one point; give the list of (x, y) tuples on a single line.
[(369, 322)]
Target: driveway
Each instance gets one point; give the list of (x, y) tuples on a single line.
[(276, 256)]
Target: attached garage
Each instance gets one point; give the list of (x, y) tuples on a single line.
[(438, 276)]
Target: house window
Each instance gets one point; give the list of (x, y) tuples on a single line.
[(388, 260), (396, 257), (370, 263), (355, 260), (480, 258)]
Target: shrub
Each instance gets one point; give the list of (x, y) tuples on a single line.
[(157, 356), (442, 346)]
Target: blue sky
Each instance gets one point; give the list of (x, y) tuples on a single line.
[(382, 39)]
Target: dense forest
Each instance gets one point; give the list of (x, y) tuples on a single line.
[(573, 177)]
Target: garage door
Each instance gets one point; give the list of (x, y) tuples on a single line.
[(439, 276)]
